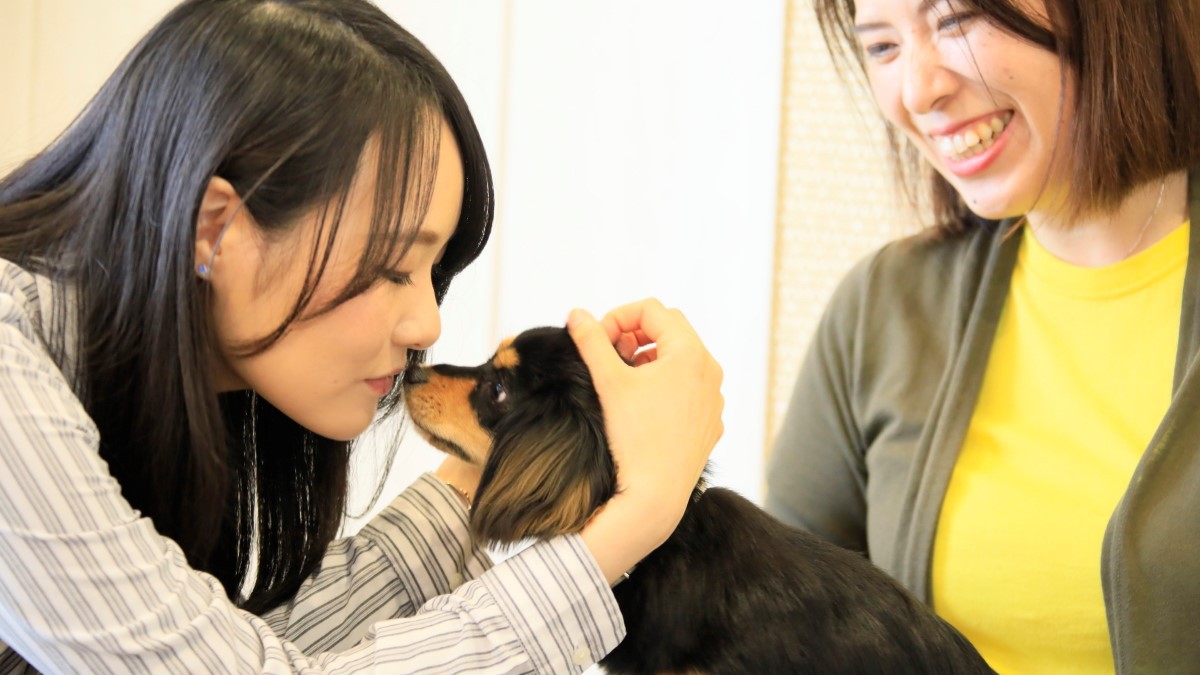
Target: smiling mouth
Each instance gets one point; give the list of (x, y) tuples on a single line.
[(974, 138)]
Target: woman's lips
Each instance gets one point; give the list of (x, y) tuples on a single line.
[(382, 385), (969, 166)]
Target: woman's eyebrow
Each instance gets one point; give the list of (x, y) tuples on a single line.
[(860, 28)]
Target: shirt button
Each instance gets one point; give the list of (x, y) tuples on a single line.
[(582, 657)]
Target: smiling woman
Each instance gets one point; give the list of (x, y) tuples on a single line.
[(997, 410), (941, 71), (962, 90)]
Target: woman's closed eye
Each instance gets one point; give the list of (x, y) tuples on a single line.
[(398, 278), (878, 51), (955, 22)]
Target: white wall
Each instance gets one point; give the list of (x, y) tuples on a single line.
[(53, 56), (636, 155), (635, 146)]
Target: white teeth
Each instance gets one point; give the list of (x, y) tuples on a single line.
[(974, 139)]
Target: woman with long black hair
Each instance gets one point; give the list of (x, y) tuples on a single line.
[(208, 287)]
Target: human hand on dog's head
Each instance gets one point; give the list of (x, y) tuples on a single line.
[(662, 417), (557, 437)]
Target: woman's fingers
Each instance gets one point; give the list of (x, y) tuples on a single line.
[(661, 421), (627, 346), (645, 356), (630, 328), (594, 343), (648, 320)]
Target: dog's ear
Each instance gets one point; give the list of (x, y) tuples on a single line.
[(548, 471)]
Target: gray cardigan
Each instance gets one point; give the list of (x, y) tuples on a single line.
[(883, 402)]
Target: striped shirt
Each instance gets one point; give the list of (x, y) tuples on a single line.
[(88, 586)]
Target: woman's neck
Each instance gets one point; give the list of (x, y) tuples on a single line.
[(1149, 213)]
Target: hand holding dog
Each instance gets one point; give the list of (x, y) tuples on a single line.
[(662, 416)]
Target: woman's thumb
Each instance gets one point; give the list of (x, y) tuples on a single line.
[(593, 342)]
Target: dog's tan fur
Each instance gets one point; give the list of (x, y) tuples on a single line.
[(506, 356), (534, 499), (440, 411)]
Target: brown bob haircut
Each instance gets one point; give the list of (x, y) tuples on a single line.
[(1137, 113)]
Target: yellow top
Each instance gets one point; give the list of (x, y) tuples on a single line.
[(1079, 377)]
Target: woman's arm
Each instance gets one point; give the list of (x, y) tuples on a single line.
[(816, 473), (88, 585), (417, 548)]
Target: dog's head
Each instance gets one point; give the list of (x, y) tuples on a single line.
[(530, 417)]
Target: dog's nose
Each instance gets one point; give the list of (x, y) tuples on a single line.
[(416, 375)]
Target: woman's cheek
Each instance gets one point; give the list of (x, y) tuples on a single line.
[(886, 92)]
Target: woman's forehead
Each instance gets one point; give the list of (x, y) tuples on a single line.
[(427, 183)]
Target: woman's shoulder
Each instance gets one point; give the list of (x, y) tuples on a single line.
[(928, 266), (21, 301), (31, 313)]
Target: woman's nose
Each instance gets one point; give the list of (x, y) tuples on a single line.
[(927, 81), (421, 324)]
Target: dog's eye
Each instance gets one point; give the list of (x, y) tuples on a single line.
[(499, 395)]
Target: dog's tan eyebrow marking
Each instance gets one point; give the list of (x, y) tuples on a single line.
[(506, 356)]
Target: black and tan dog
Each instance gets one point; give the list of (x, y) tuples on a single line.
[(731, 591)]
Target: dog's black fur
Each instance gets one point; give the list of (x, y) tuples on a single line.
[(731, 591)]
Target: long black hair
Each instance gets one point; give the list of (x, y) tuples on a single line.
[(280, 98)]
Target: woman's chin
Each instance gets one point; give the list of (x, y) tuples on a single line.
[(992, 209), (346, 427), (1004, 195)]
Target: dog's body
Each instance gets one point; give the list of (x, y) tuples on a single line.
[(735, 591), (731, 591)]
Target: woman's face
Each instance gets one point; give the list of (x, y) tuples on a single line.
[(982, 105), (328, 372)]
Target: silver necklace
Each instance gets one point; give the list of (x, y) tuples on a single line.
[(1161, 188)]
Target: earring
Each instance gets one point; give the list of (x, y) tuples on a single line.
[(202, 270)]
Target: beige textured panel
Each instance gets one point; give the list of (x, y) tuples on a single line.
[(837, 197), (76, 46), (17, 19)]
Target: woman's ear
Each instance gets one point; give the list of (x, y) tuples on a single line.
[(219, 205)]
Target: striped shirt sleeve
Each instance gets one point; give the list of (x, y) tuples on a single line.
[(88, 585), (415, 549)]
